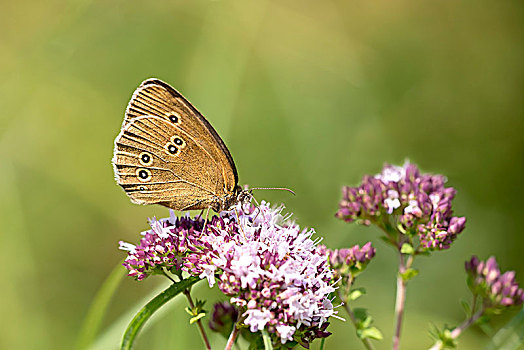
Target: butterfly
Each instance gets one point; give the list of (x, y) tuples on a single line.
[(167, 153)]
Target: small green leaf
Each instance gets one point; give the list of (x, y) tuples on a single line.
[(409, 274), (356, 293), (447, 340), (434, 332), (466, 307), (401, 229), (371, 332), (197, 311), (197, 317), (407, 249), (366, 322), (147, 311), (482, 320), (361, 314), (267, 340)]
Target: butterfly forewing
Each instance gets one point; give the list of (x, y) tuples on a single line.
[(155, 97), (167, 153)]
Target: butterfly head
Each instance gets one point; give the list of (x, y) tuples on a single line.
[(244, 196)]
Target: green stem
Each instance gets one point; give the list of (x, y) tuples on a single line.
[(365, 341), (401, 296), (147, 311), (187, 293), (232, 337), (455, 333), (199, 324)]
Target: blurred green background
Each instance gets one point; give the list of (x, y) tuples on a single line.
[(310, 95)]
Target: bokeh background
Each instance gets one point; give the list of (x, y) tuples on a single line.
[(310, 95)]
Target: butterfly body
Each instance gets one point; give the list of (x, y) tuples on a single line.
[(167, 153)]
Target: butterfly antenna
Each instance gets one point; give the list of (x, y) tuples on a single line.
[(273, 188)]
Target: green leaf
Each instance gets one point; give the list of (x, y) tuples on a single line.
[(401, 229), (407, 249), (372, 333), (156, 303), (361, 314), (466, 307), (409, 274), (356, 293), (366, 323), (267, 340), (197, 317), (98, 308)]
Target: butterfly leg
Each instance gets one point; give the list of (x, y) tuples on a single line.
[(200, 215), (257, 206), (205, 222), (239, 225)]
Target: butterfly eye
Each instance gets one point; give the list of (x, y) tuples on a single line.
[(142, 189), (143, 175), (174, 119), (178, 141), (171, 149), (145, 158)]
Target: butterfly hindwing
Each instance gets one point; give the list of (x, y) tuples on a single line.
[(156, 162)]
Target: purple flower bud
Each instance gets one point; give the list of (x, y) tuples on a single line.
[(223, 318), (498, 290), (347, 263)]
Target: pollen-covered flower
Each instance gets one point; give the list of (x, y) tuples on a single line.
[(269, 267), (402, 198), (497, 290)]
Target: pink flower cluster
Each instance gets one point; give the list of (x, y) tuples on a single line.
[(270, 268), (403, 198), (498, 290)]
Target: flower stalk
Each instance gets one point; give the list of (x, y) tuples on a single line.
[(234, 333), (232, 338), (455, 333), (365, 341), (187, 293), (493, 292), (404, 265), (347, 264)]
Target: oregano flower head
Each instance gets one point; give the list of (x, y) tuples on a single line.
[(402, 198), (268, 266)]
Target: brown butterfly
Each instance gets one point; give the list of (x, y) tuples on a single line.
[(167, 153)]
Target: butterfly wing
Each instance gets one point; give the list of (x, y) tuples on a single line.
[(167, 153), (155, 97)]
